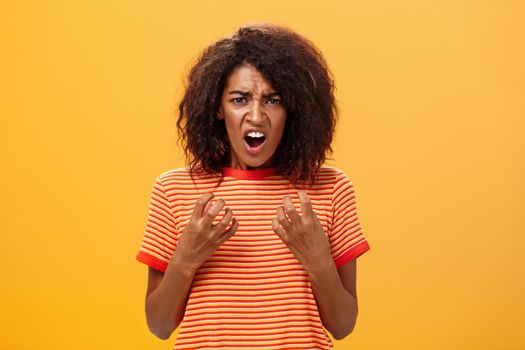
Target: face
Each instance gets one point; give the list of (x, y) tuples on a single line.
[(254, 116)]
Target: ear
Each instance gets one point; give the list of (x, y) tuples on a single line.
[(220, 113)]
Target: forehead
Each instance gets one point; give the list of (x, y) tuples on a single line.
[(247, 78)]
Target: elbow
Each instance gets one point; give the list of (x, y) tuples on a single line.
[(159, 328), (345, 326), (341, 334), (344, 330), (161, 333), (164, 336), (158, 325)]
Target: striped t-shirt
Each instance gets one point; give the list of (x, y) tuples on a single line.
[(252, 293)]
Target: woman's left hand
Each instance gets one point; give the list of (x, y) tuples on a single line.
[(304, 235)]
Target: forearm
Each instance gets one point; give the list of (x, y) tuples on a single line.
[(337, 307), (165, 306)]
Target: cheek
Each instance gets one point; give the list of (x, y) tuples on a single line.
[(281, 125), (234, 117), (232, 128)]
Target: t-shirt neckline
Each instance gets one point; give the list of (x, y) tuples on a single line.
[(253, 174)]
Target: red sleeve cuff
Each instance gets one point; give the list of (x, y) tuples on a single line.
[(351, 254), (152, 261)]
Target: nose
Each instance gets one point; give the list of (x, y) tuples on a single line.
[(256, 113)]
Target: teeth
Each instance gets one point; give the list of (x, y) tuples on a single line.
[(255, 134)]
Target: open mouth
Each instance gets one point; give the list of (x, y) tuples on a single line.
[(254, 141)]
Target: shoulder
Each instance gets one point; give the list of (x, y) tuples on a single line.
[(183, 174), (174, 173), (332, 173), (336, 177), (328, 169), (180, 179), (326, 178)]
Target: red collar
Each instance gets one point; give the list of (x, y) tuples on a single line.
[(250, 174)]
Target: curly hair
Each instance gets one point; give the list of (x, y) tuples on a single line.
[(295, 67)]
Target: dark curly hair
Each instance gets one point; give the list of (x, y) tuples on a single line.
[(295, 67)]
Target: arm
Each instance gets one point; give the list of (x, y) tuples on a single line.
[(167, 295), (334, 290), (336, 297)]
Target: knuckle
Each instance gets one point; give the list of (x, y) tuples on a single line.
[(221, 226), (235, 225), (226, 219)]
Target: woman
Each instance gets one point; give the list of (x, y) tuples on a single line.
[(254, 243)]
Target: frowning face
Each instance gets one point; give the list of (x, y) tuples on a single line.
[(254, 116)]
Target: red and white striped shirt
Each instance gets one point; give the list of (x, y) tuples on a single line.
[(252, 293)]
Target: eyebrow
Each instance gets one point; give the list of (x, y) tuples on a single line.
[(247, 93)]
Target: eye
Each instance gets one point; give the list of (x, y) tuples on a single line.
[(274, 101), (238, 100)]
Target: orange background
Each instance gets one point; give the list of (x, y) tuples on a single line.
[(432, 123)]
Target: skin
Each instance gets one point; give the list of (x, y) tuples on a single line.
[(167, 292), (334, 290), (248, 100)]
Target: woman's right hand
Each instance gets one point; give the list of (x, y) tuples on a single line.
[(200, 239)]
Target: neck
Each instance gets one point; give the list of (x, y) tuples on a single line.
[(235, 164)]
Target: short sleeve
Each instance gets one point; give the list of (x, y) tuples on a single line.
[(346, 237), (160, 236)]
